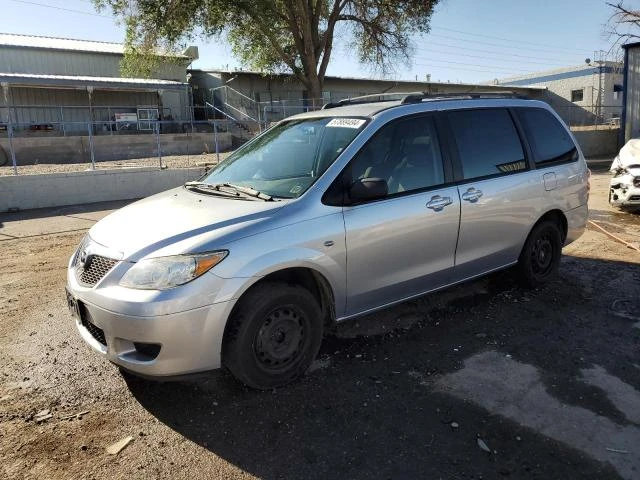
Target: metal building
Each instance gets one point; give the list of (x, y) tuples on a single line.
[(631, 110), (261, 99), (61, 84), (587, 94)]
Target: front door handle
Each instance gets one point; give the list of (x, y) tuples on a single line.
[(472, 195), (437, 202)]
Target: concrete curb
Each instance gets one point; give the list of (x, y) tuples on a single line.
[(26, 192)]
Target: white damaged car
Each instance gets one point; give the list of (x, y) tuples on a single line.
[(624, 191)]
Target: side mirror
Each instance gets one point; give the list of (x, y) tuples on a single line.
[(365, 189)]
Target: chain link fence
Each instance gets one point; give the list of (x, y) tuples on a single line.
[(595, 116), (55, 147)]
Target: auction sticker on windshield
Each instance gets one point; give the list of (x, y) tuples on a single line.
[(346, 122)]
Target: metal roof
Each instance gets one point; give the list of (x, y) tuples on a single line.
[(371, 80), (78, 81), (54, 43)]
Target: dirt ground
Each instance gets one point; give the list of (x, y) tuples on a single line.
[(484, 380)]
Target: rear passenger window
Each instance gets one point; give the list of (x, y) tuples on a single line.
[(549, 140), (488, 142)]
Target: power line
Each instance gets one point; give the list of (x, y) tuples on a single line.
[(496, 59), (507, 70), (475, 64), (504, 39), (497, 53), (502, 45), (505, 73), (27, 2)]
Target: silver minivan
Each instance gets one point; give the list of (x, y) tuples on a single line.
[(326, 216)]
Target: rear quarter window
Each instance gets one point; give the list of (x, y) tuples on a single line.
[(549, 139)]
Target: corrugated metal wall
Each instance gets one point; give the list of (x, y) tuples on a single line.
[(56, 105), (54, 62), (632, 114), (51, 62)]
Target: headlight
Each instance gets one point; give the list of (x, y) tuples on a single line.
[(166, 272)]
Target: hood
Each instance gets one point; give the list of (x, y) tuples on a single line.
[(178, 221), (629, 155)]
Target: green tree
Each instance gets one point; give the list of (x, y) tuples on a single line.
[(275, 36)]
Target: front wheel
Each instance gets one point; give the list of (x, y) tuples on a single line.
[(540, 257), (273, 335)]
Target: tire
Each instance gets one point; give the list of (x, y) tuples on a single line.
[(273, 335), (4, 158), (540, 256)]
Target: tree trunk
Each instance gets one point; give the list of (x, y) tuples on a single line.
[(315, 90)]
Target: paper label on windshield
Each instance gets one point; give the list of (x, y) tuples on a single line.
[(346, 122)]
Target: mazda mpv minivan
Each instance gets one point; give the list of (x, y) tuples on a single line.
[(326, 216)]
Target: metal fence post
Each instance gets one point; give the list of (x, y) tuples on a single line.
[(215, 136), (93, 156), (11, 150), (157, 129), (64, 129)]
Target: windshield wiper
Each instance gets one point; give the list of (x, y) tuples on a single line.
[(228, 189), (211, 189), (252, 192)]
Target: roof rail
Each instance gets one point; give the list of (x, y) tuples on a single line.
[(418, 97), (373, 98)]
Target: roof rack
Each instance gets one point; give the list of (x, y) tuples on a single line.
[(417, 97), (373, 98)]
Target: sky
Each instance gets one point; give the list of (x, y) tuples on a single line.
[(471, 41)]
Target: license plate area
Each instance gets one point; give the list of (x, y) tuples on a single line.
[(72, 303)]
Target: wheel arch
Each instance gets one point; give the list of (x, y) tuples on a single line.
[(310, 279), (556, 215)]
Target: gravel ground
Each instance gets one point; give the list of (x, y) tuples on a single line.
[(484, 380), (171, 161)]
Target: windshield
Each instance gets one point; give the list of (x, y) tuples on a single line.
[(288, 158)]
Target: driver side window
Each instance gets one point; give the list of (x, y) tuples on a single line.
[(406, 154)]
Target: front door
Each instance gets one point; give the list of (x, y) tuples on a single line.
[(404, 244)]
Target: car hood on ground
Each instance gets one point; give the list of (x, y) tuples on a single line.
[(178, 221)]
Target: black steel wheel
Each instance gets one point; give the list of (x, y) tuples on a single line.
[(540, 257), (273, 335), (4, 158)]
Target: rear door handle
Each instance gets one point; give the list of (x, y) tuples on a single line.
[(472, 195), (437, 202)]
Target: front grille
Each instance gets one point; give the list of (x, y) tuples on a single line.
[(94, 268), (96, 332), (634, 197)]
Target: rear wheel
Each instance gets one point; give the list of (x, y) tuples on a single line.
[(4, 158), (273, 335), (540, 257)]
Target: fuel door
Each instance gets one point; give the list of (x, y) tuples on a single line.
[(550, 182)]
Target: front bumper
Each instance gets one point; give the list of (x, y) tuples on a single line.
[(627, 196), (154, 333), (188, 341)]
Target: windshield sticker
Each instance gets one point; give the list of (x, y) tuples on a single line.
[(296, 189), (346, 122)]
